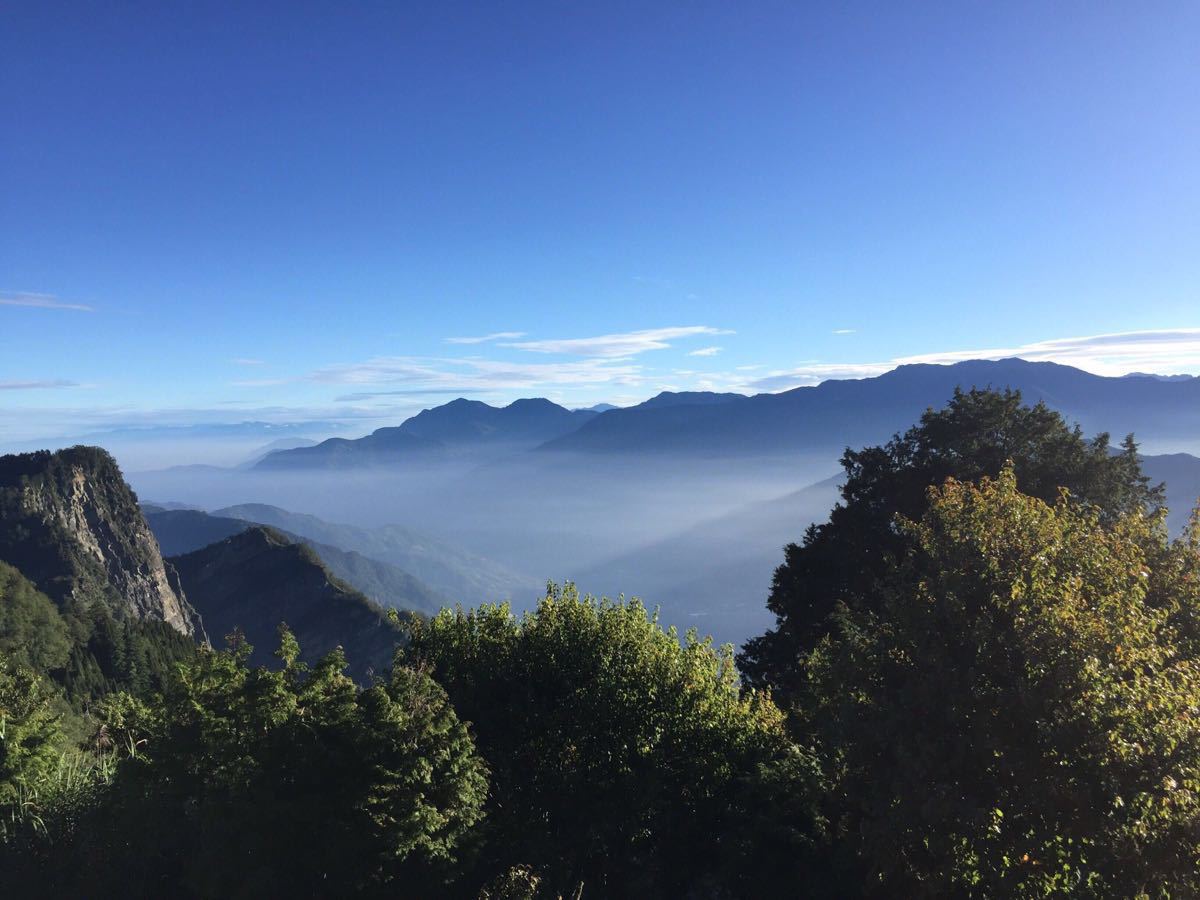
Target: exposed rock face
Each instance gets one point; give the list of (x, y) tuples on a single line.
[(255, 580), (70, 523)]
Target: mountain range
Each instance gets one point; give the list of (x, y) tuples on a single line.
[(836, 414), (1163, 412), (461, 426)]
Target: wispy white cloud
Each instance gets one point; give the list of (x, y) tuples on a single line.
[(706, 351), (361, 396), (612, 346), (1163, 352), (487, 338), (246, 361), (39, 301), (845, 331), (815, 373), (37, 385), (478, 374)]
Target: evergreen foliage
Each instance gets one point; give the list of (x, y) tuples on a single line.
[(86, 651), (251, 782), (29, 734), (622, 758), (32, 633)]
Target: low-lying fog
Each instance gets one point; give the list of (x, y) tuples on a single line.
[(700, 538)]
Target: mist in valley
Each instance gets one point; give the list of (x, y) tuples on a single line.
[(698, 538)]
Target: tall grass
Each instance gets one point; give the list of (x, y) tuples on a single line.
[(50, 807)]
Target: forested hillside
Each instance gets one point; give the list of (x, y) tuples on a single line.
[(981, 681), (257, 579)]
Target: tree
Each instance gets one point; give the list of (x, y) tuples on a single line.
[(29, 733), (1014, 716), (840, 561), (32, 633), (285, 782), (621, 758)]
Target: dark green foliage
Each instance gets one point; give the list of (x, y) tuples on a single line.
[(32, 633), (258, 578), (621, 759), (86, 651), (120, 654), (1014, 717), (841, 560), (29, 735), (251, 783)]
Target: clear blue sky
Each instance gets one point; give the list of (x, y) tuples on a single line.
[(283, 212)]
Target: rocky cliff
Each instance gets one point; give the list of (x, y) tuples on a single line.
[(70, 523)]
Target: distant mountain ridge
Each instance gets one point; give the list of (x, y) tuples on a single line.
[(835, 414), (187, 530), (259, 578), (455, 427), (825, 418), (460, 576)]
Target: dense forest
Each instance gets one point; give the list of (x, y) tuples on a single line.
[(984, 680)]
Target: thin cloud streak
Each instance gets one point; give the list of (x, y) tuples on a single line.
[(487, 338), (621, 345), (40, 301), (478, 374), (37, 385), (413, 392), (706, 351)]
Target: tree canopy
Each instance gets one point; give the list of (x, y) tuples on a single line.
[(974, 436), (622, 758), (1014, 715), (251, 782)]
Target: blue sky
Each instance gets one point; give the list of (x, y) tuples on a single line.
[(212, 213)]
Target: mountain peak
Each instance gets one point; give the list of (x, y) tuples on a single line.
[(288, 583), (72, 525)]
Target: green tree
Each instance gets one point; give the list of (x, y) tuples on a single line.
[(29, 733), (1014, 716), (840, 561), (254, 783), (621, 758), (32, 633)]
